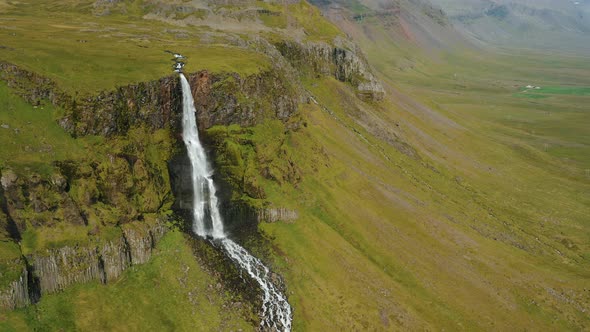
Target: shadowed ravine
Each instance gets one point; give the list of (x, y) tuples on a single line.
[(207, 221)]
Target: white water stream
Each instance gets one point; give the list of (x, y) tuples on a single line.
[(207, 221)]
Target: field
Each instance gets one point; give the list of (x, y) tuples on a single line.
[(85, 53)]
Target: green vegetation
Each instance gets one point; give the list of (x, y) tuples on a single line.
[(38, 150), (299, 15), (92, 53), (494, 202), (556, 90), (170, 293), (31, 137), (11, 266), (410, 256), (452, 204)]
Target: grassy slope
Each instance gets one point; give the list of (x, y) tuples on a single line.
[(385, 242), (468, 237), (30, 135), (489, 231), (137, 302), (85, 53)]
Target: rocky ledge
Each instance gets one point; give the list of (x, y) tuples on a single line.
[(51, 270), (344, 61)]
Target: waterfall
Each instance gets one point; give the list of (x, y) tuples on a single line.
[(207, 221)]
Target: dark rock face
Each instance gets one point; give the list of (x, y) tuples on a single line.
[(114, 112), (220, 99), (231, 99), (238, 216)]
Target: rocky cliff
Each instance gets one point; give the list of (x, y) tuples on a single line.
[(221, 99), (52, 270), (344, 61), (80, 220), (55, 269)]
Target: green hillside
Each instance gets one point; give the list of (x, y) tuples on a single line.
[(460, 201)]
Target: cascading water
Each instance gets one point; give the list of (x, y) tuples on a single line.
[(207, 221), (206, 218)]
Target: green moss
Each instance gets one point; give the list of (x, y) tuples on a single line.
[(29, 241), (11, 264), (38, 239), (31, 137)]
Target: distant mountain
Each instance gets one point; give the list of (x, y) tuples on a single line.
[(405, 23), (545, 24)]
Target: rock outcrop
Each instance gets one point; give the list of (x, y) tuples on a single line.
[(16, 294), (56, 269), (151, 104), (61, 267), (51, 270), (281, 214), (225, 99), (140, 239), (32, 87), (345, 62)]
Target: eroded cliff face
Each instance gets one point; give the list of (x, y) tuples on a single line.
[(224, 99), (344, 61), (220, 99), (80, 223), (56, 269)]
